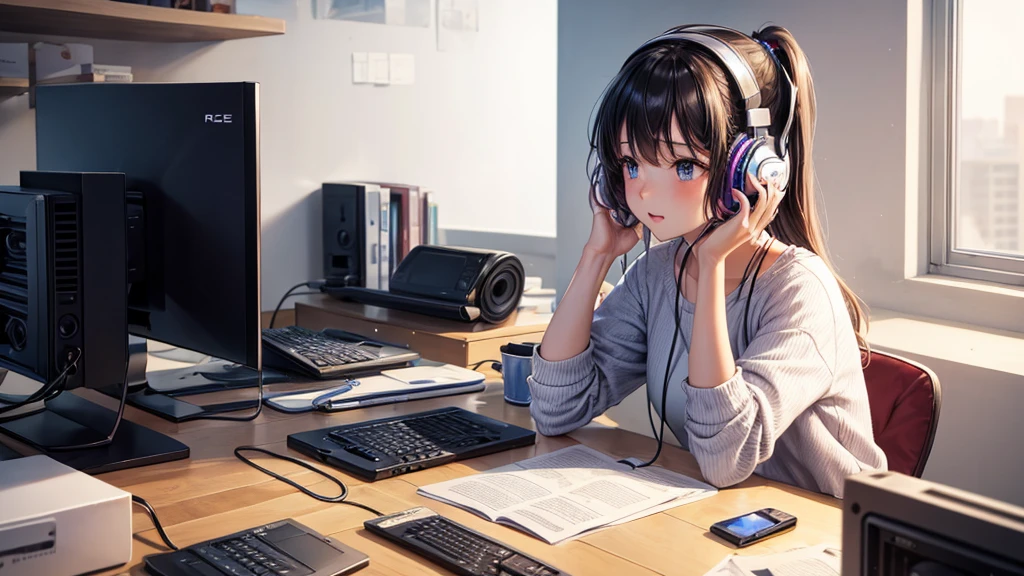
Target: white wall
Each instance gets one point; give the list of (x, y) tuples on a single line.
[(858, 56), (478, 127)]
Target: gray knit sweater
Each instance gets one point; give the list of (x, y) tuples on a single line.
[(796, 410)]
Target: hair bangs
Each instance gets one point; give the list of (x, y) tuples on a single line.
[(658, 90), (655, 93)]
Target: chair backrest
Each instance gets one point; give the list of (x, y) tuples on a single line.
[(905, 398)]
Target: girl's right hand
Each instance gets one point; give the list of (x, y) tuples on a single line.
[(608, 238)]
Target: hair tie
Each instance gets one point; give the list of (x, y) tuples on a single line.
[(771, 47)]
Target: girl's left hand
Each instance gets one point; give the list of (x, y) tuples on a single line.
[(745, 226)]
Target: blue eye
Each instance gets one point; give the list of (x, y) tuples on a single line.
[(632, 167), (684, 169)]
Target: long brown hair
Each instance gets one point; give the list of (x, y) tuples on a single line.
[(672, 82)]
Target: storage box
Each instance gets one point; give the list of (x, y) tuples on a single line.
[(458, 343), (57, 521), (54, 60)]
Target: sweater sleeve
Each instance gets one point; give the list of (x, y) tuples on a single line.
[(786, 368), (570, 393)]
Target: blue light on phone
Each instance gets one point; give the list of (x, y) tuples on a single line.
[(749, 525)]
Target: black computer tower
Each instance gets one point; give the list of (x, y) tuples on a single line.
[(63, 288)]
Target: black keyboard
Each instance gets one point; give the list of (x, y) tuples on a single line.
[(456, 547), (396, 445), (284, 548), (321, 356), (414, 439)]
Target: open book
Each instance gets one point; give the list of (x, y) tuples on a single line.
[(569, 492)]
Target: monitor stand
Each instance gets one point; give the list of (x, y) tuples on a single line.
[(211, 377), (70, 420)]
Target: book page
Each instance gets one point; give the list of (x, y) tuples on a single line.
[(822, 560), (568, 492)]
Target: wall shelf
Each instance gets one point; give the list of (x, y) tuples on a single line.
[(121, 21), (10, 87)]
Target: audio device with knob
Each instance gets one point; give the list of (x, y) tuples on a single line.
[(457, 283)]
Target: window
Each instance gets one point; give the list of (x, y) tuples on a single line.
[(977, 139)]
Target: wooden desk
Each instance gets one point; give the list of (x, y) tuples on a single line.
[(459, 343), (213, 494)]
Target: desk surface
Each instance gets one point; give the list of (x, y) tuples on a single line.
[(213, 494)]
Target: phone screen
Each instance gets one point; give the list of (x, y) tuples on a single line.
[(748, 525)]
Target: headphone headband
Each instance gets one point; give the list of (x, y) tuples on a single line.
[(751, 153), (736, 66)]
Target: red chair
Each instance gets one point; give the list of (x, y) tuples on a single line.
[(905, 398)]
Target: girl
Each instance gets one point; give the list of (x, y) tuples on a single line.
[(748, 341)]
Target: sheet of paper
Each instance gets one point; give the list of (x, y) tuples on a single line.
[(403, 68), (822, 560), (360, 68), (379, 68)]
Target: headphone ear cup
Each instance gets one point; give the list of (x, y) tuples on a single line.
[(736, 163), (765, 165), (603, 196)]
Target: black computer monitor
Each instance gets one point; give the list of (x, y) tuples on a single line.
[(190, 154)]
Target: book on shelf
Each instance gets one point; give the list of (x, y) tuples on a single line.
[(429, 217), (91, 68), (75, 78)]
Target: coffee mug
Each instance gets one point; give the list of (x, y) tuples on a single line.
[(516, 367)]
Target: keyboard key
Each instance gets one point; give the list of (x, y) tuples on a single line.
[(203, 569), (455, 546), (222, 561), (254, 552), (322, 352)]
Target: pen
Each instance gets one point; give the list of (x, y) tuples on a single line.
[(325, 398)]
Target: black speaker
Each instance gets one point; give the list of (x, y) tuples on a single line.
[(351, 228)]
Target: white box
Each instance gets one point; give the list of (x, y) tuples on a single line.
[(55, 60), (57, 521), (14, 60)]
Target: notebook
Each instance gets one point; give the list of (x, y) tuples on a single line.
[(389, 386)]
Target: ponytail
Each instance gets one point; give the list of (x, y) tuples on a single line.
[(797, 220)]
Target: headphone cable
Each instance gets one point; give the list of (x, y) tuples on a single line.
[(660, 436), (750, 291)]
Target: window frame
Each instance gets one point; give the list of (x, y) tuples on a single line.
[(944, 258)]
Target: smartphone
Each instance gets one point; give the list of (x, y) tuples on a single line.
[(749, 528)]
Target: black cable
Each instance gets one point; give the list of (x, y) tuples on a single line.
[(316, 284), (746, 273), (249, 418), (113, 430), (750, 292), (259, 400), (156, 522), (664, 392), (660, 435), (50, 390), (478, 364), (672, 349), (339, 499)]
